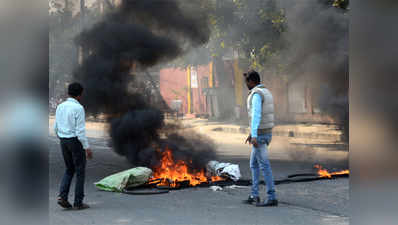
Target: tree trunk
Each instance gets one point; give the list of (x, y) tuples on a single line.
[(82, 9), (225, 91), (82, 50), (162, 103)]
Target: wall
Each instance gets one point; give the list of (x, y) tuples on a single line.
[(293, 101), (301, 105), (175, 83), (173, 86)]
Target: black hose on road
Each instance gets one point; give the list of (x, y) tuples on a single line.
[(145, 192)]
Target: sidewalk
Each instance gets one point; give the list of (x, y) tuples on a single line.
[(318, 136), (316, 132), (311, 131)]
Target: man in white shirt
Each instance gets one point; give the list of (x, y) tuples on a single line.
[(71, 130)]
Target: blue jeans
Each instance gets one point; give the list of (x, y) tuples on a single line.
[(75, 162), (259, 161)]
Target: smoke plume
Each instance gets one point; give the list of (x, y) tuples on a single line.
[(134, 36), (317, 37)]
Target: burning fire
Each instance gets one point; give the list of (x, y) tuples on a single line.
[(171, 173), (324, 173)]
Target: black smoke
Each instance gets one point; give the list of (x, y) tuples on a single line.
[(318, 42), (134, 36)]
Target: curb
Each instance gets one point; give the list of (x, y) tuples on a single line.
[(283, 133)]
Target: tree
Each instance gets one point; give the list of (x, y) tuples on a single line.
[(65, 25), (62, 52), (252, 28), (343, 4)]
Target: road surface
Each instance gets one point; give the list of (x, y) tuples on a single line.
[(320, 202)]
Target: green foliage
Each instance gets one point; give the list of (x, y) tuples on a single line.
[(343, 4), (253, 28), (257, 31)]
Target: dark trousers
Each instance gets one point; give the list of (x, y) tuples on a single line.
[(75, 162)]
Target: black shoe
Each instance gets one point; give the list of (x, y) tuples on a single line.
[(251, 200), (81, 206), (64, 203), (269, 203)]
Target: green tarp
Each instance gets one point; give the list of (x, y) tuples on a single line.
[(125, 179)]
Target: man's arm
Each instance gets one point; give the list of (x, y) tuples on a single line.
[(55, 128), (256, 114), (81, 128), (256, 117), (55, 123)]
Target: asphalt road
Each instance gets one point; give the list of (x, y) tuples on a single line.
[(320, 202)]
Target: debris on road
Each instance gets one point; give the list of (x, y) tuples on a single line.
[(175, 174), (215, 188), (228, 170), (126, 179), (139, 180), (236, 187)]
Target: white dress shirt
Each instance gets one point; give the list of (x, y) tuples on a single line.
[(70, 121)]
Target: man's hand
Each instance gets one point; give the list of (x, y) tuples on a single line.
[(254, 142), (248, 139), (89, 153)]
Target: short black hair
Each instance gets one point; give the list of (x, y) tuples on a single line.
[(75, 89), (252, 76)]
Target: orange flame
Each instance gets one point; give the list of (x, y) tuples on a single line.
[(170, 172), (324, 173)]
